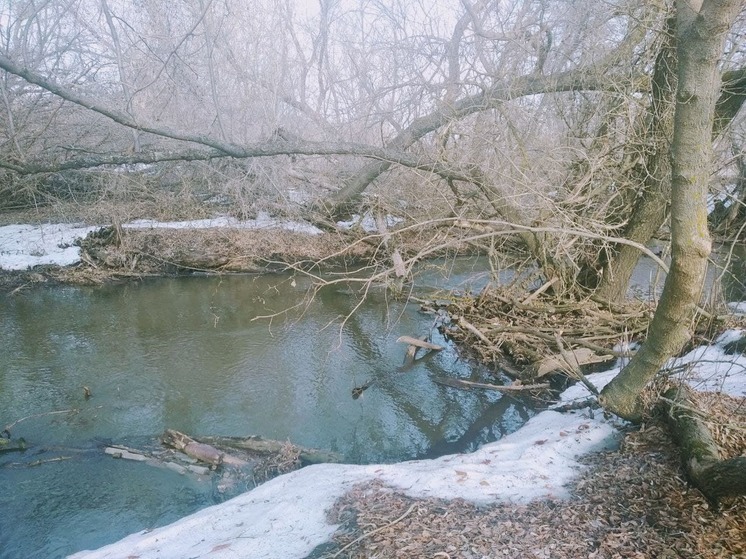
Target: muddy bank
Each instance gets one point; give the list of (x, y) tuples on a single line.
[(116, 253)]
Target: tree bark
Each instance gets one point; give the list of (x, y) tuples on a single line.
[(716, 478), (700, 41), (652, 173)]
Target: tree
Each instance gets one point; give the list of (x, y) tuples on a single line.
[(701, 30), (465, 96)]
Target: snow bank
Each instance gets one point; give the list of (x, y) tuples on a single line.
[(286, 517), (263, 221), (25, 246)]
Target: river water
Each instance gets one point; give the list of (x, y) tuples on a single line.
[(200, 355), (235, 356)]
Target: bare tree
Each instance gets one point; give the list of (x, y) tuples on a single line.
[(551, 116), (701, 30)]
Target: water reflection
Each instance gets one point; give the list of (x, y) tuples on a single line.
[(190, 354)]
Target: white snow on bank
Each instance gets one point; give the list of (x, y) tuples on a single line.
[(706, 368), (263, 221), (737, 308), (25, 246), (367, 222), (286, 517)]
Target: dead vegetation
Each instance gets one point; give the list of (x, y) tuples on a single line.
[(530, 335), (630, 503)]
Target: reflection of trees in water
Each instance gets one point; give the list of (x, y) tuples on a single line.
[(492, 424)]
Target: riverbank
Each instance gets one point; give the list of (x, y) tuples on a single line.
[(80, 253), (555, 488), (565, 485)]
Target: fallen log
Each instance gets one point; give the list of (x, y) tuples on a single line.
[(469, 385), (714, 477), (200, 451), (258, 445)]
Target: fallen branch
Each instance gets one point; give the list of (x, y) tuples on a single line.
[(37, 415), (418, 343), (259, 445), (466, 325), (200, 451), (468, 385)]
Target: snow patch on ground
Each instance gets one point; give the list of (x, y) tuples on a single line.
[(286, 517), (367, 222), (24, 246), (263, 221)]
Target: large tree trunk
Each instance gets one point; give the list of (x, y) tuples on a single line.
[(700, 41), (652, 173)]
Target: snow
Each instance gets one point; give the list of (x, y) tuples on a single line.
[(737, 308), (24, 246), (367, 222), (286, 517), (263, 221)]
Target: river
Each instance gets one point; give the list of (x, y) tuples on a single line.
[(235, 355)]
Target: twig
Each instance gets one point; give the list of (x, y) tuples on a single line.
[(539, 291), (474, 330), (16, 422), (574, 367), (467, 385), (368, 534), (48, 461)]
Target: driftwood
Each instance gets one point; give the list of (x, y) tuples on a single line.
[(418, 342), (715, 477), (160, 460), (468, 385), (200, 451), (413, 345), (258, 445)]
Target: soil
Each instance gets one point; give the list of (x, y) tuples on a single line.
[(114, 253)]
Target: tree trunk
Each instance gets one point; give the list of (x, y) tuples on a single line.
[(716, 478), (700, 42), (652, 173)]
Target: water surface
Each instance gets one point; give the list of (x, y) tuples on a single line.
[(195, 354)]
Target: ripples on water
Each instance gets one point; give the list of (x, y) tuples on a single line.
[(188, 354)]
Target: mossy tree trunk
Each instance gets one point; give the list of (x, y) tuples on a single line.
[(716, 478), (701, 32)]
